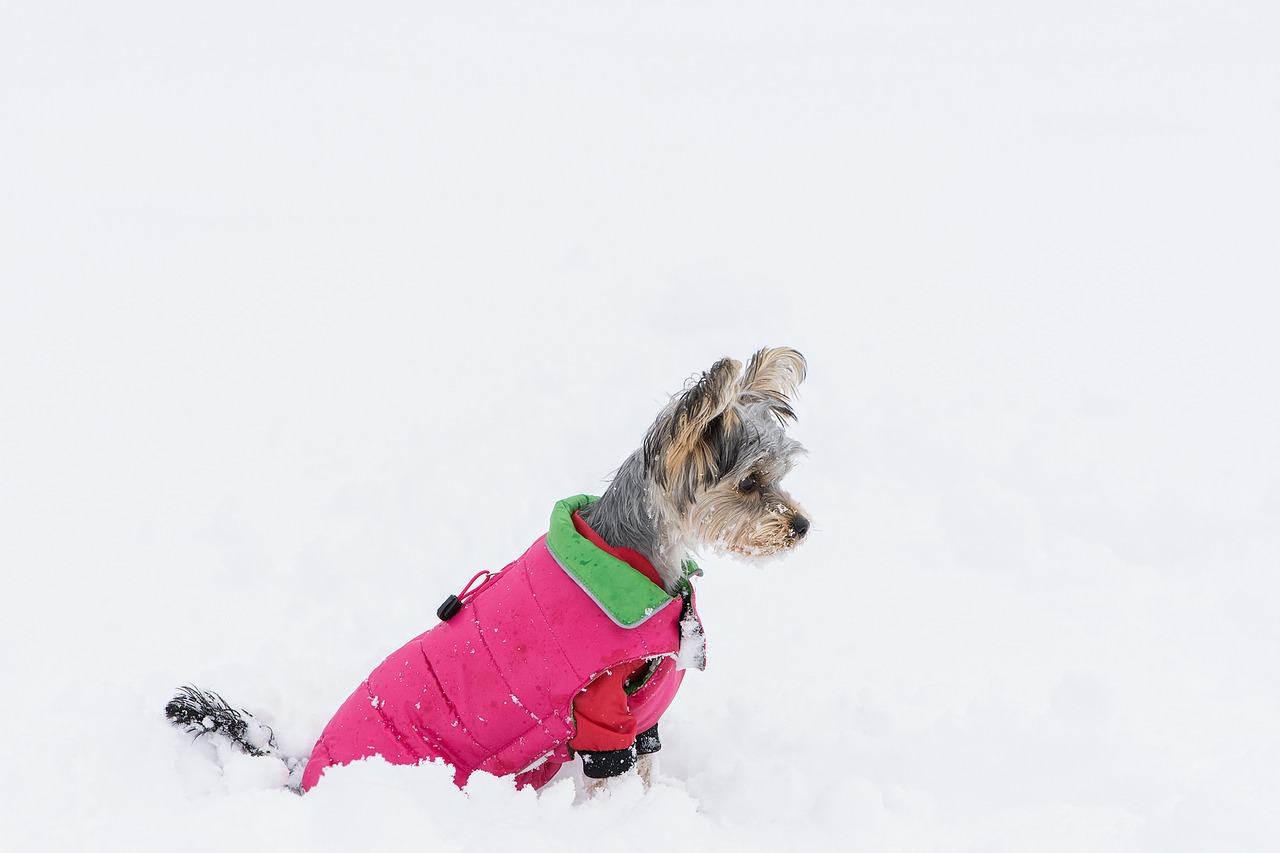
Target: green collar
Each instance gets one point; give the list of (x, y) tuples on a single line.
[(626, 595)]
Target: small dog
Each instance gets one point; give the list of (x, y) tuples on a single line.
[(579, 645)]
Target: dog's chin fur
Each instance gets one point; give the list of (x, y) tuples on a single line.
[(708, 475)]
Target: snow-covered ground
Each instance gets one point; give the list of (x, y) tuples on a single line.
[(309, 311)]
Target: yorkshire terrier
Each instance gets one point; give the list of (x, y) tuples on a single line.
[(580, 644)]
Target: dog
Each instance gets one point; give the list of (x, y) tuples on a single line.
[(578, 646)]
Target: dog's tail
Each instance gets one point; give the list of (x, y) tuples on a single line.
[(202, 712)]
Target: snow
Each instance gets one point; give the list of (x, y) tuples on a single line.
[(309, 313)]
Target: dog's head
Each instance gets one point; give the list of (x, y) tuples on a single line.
[(716, 456)]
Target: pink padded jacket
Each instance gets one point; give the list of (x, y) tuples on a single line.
[(492, 688)]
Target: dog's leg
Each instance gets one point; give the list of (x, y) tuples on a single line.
[(644, 767)]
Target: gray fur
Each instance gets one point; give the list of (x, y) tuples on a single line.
[(624, 516)]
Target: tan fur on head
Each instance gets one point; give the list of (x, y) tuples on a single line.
[(692, 444), (676, 443), (772, 377)]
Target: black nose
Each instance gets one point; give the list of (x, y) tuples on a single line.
[(800, 526)]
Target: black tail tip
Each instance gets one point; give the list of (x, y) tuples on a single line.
[(191, 706), (202, 712)]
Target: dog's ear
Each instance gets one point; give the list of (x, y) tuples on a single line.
[(772, 377), (680, 450)]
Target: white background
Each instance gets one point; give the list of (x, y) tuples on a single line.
[(308, 311)]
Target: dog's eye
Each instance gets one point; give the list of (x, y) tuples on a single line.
[(748, 485)]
